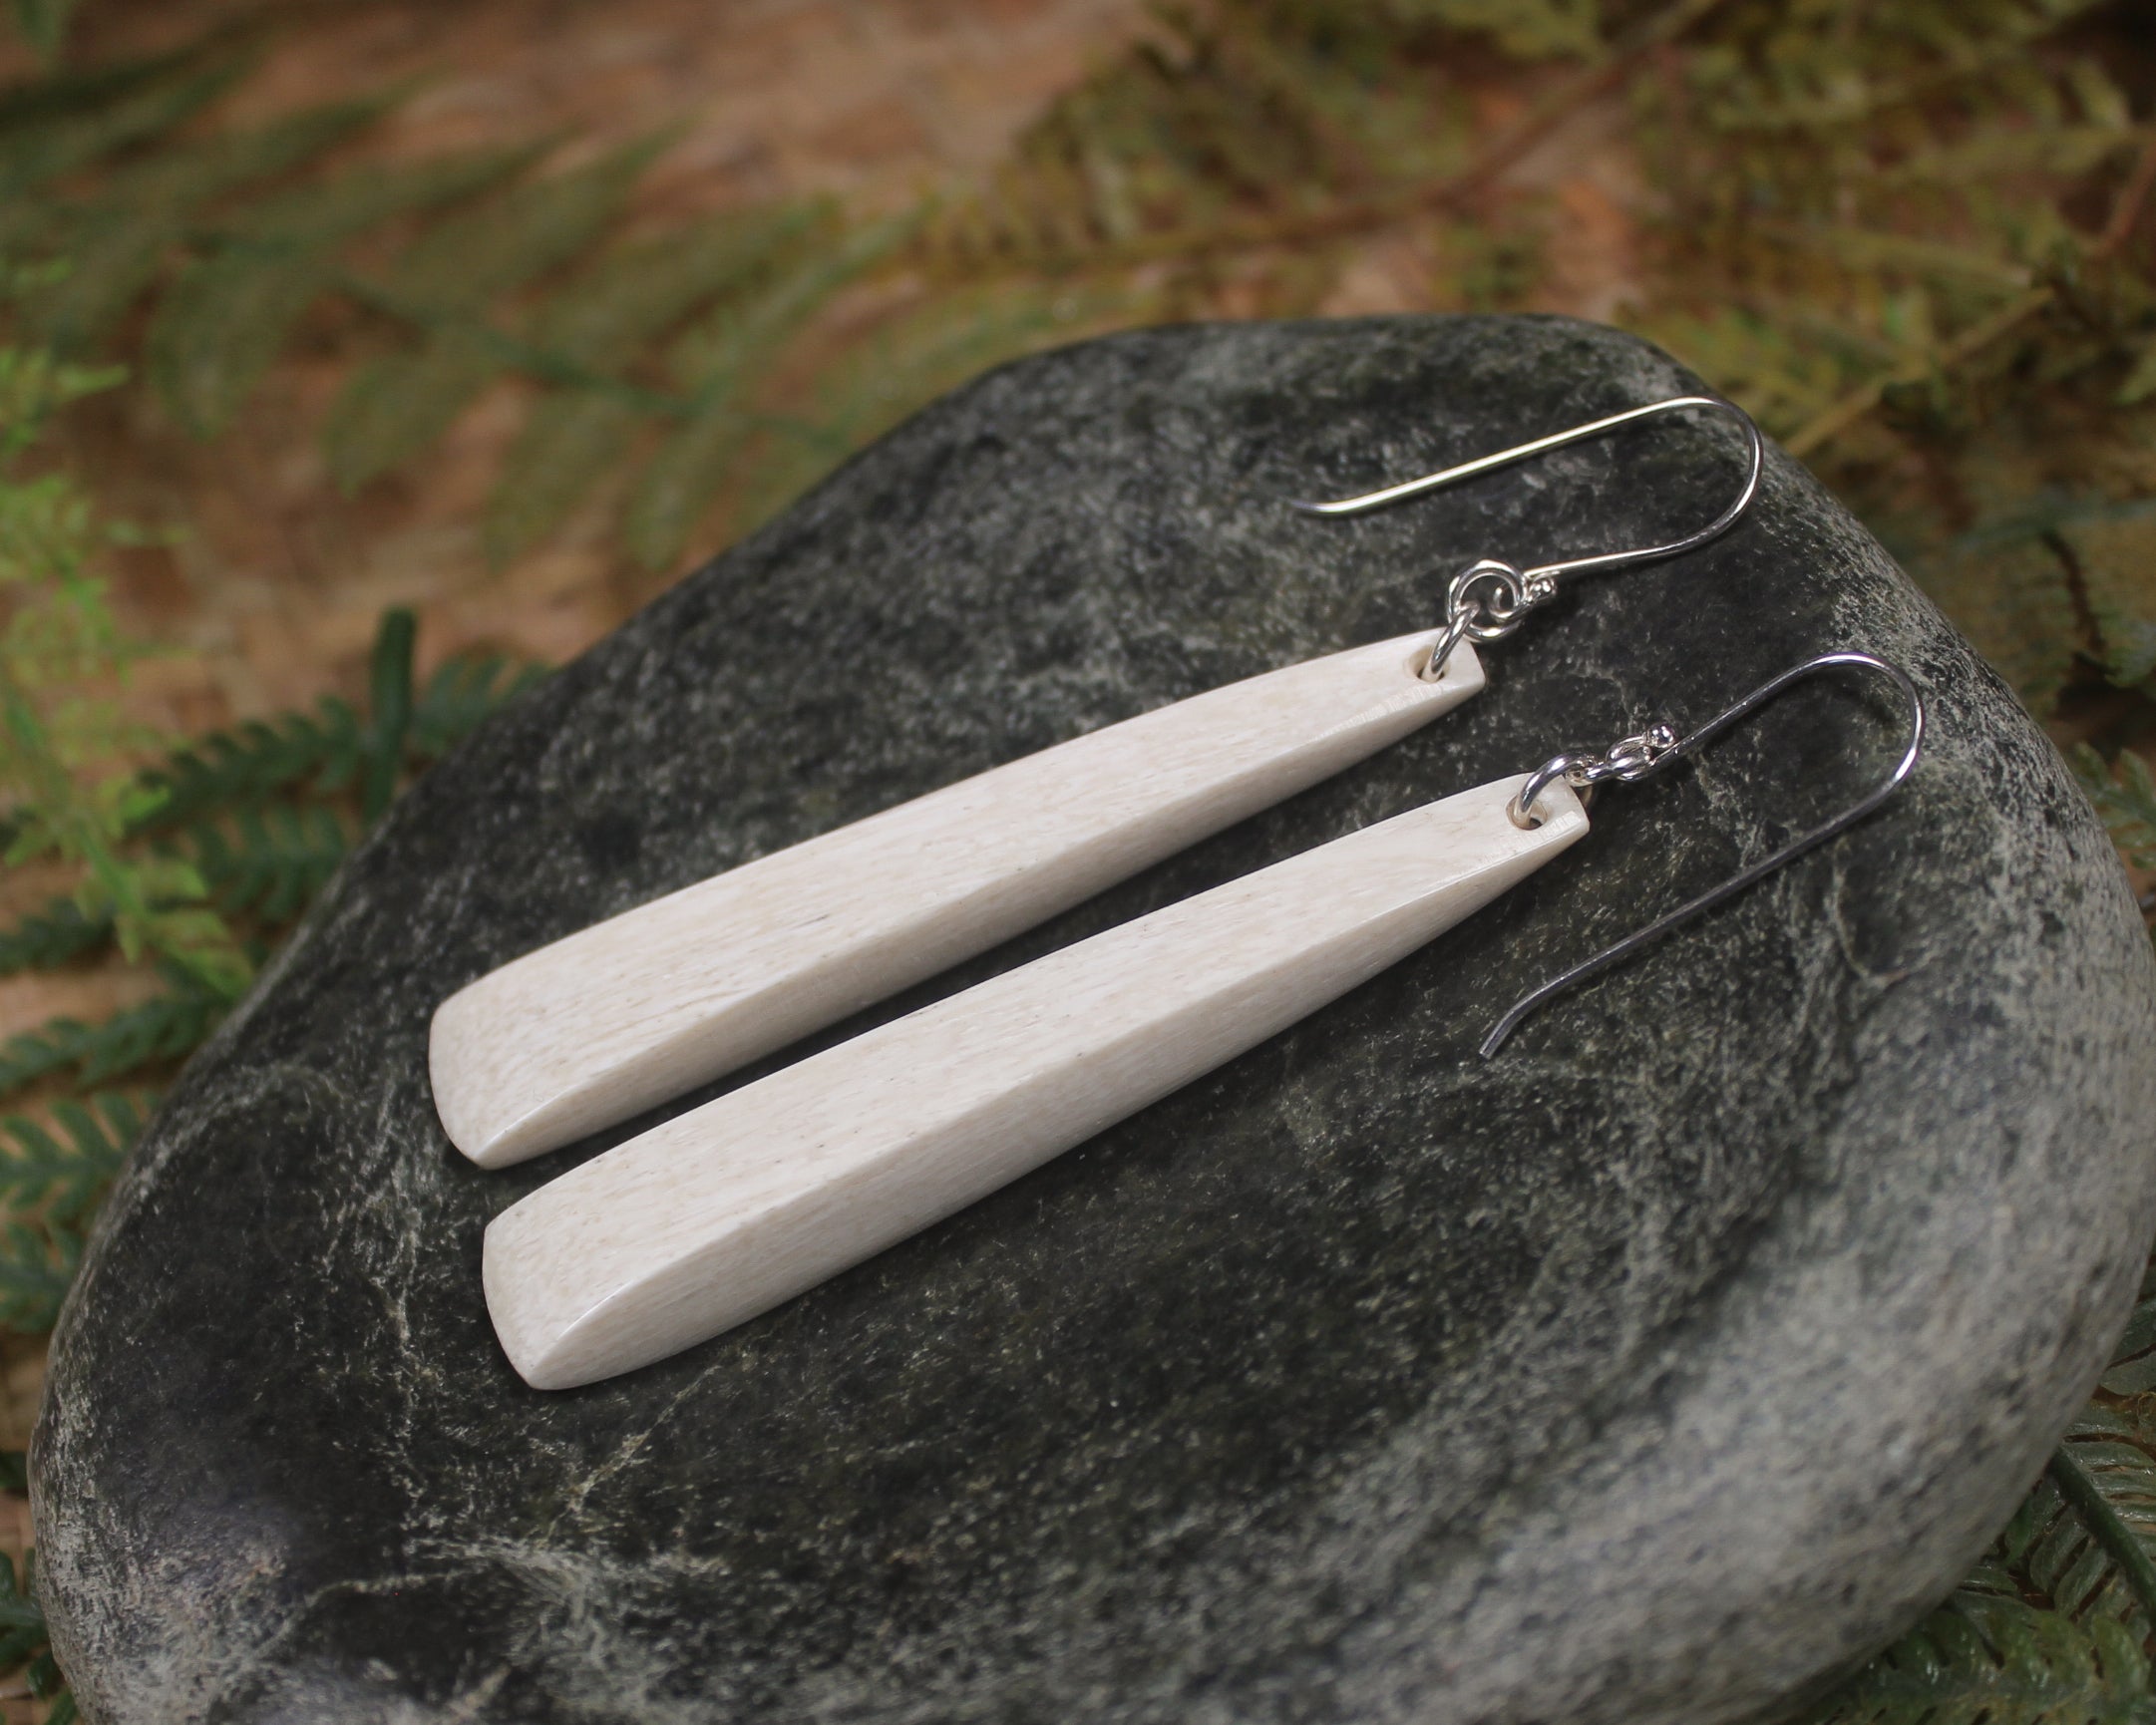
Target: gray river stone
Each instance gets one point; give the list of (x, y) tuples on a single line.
[(1653, 1371)]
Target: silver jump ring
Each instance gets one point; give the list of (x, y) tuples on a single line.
[(1489, 614), (1521, 808), (1628, 760), (1501, 605), (1455, 633)]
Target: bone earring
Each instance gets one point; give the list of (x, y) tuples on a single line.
[(727, 1210), (621, 1017)]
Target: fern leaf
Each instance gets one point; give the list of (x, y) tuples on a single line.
[(64, 1175), (517, 236), (191, 176), (681, 479), (226, 317), (37, 1266), (254, 761), (365, 197), (2070, 150), (18, 1599), (48, 939), (641, 290), (2133, 1362), (220, 328), (42, 144), (1987, 1658), (389, 718), (598, 322), (23, 1635), (271, 862), (44, 25), (164, 1027), (461, 693), (117, 246), (563, 449), (719, 361), (394, 407), (2125, 797)]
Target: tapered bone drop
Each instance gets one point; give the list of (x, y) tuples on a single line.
[(632, 1011), (723, 1213)]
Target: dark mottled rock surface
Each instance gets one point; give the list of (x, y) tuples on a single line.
[(1648, 1373)]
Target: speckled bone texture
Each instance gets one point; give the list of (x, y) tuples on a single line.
[(630, 1012), (1652, 1372), (720, 1213)]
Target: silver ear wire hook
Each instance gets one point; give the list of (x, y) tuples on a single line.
[(1640, 757), (1506, 594)]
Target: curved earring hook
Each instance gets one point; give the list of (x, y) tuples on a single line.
[(1550, 573), (1640, 757)]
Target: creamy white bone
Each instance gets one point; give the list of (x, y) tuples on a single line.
[(723, 1213), (640, 1008)]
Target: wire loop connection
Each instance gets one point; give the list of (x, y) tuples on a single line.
[(1650, 752), (1489, 600)]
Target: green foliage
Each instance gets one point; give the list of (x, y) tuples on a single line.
[(46, 940), (1869, 243), (157, 1030), (254, 823), (237, 301), (2126, 798), (65, 1172), (44, 24), (1525, 28), (68, 797), (256, 819), (52, 1175), (1985, 1660), (462, 692), (246, 766)]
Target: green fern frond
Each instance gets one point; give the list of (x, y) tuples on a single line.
[(64, 1175), (44, 25), (566, 447), (21, 1623), (396, 407), (598, 323), (910, 362), (1984, 1659), (641, 290), (189, 176), (37, 1266), (222, 323), (251, 762), (720, 363), (48, 939), (2126, 798), (462, 692), (40, 144), (270, 861), (1523, 29), (532, 227), (2067, 150), (2079, 1538), (2133, 1362), (162, 1028)]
